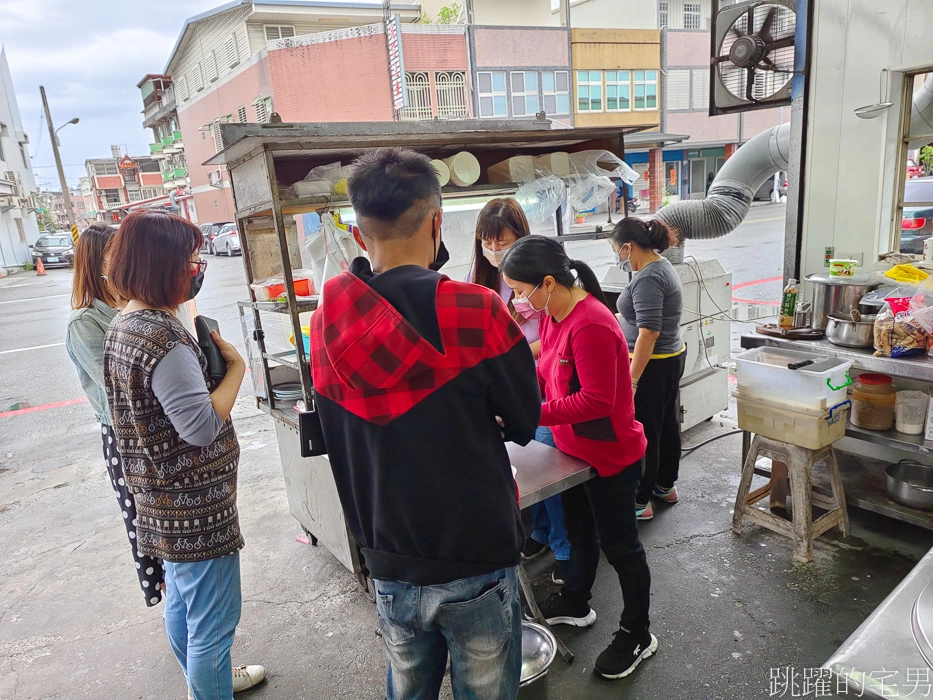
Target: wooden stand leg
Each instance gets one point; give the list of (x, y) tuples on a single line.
[(741, 498), (800, 484), (536, 615), (778, 485), (838, 491)]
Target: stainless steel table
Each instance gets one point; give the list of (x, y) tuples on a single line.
[(542, 472)]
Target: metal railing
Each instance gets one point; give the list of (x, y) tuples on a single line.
[(419, 97), (451, 94)]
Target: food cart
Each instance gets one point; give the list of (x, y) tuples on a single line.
[(264, 161)]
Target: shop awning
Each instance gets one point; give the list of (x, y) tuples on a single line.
[(652, 139)]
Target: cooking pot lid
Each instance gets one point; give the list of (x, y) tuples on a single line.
[(857, 280)]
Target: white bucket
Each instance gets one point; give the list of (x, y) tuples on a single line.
[(464, 169)]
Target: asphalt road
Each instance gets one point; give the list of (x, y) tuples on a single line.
[(73, 625)]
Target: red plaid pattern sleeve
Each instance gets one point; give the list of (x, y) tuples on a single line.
[(367, 358)]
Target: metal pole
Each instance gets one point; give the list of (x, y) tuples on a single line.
[(66, 195)]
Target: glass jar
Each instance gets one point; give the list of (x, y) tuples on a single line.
[(873, 399)]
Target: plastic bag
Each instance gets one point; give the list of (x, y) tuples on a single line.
[(324, 179), (540, 198), (907, 274), (602, 164), (586, 193), (897, 332), (921, 305), (332, 249)]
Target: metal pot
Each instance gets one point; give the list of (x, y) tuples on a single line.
[(851, 334), (538, 651), (910, 484), (836, 296)]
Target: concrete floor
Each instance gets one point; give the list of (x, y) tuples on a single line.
[(726, 609)]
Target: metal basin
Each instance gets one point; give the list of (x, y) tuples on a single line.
[(921, 623), (847, 333), (910, 484), (538, 650), (836, 296)]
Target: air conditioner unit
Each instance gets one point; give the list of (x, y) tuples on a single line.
[(215, 178)]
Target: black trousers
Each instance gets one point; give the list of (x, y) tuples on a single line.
[(656, 409), (601, 513)]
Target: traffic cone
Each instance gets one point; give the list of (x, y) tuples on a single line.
[(40, 268)]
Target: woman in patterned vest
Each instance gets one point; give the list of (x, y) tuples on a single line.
[(180, 452)]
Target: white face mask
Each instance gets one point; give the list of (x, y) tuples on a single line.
[(494, 256)]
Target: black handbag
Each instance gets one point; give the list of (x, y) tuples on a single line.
[(311, 434), (216, 364)]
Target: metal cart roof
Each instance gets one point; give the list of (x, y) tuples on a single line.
[(345, 140)]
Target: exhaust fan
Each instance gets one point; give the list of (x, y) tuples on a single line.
[(752, 61)]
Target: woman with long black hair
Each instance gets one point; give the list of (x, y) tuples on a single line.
[(500, 224), (584, 372), (650, 308)]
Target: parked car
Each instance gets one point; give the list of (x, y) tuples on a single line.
[(913, 169), (226, 241), (917, 222), (54, 249), (209, 231)]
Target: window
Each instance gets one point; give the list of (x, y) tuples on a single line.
[(493, 100), (263, 108), (646, 89), (106, 168), (19, 229), (182, 88), (913, 192), (524, 93), (274, 32), (215, 132), (450, 87), (555, 86), (210, 67), (672, 178), (129, 176), (135, 195), (418, 87), (230, 53), (111, 196), (677, 90), (23, 154), (691, 15), (590, 90), (700, 98), (241, 114), (196, 79), (662, 14), (618, 91)]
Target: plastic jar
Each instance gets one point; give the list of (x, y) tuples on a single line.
[(911, 411), (873, 399)]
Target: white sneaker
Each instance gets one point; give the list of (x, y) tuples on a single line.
[(244, 678)]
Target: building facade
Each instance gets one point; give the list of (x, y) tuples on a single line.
[(18, 226), (113, 183), (160, 115)]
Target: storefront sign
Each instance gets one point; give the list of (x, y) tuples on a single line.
[(396, 63)]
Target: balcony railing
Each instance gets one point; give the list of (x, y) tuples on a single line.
[(166, 108), (176, 136), (167, 141), (155, 148)]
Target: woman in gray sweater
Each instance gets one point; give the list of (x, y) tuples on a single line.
[(95, 305), (649, 310)]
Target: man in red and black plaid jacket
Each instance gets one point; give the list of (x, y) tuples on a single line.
[(413, 373)]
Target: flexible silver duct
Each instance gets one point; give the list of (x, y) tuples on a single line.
[(921, 114), (730, 195)]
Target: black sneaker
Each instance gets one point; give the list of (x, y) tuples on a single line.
[(558, 611), (624, 653), (533, 549), (559, 574)]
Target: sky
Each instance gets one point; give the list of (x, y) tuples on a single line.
[(89, 55)]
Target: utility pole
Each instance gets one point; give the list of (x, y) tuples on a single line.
[(66, 195)]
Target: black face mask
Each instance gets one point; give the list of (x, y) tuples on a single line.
[(441, 256), (196, 283)]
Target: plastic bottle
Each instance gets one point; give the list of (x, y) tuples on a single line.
[(788, 304)]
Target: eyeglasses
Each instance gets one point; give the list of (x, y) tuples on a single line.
[(202, 266)]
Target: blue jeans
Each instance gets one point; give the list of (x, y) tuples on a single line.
[(202, 609), (476, 620), (548, 516)]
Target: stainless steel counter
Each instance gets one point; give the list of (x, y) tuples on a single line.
[(916, 368), (542, 471), (881, 659)]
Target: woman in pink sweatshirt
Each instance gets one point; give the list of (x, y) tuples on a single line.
[(585, 378)]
